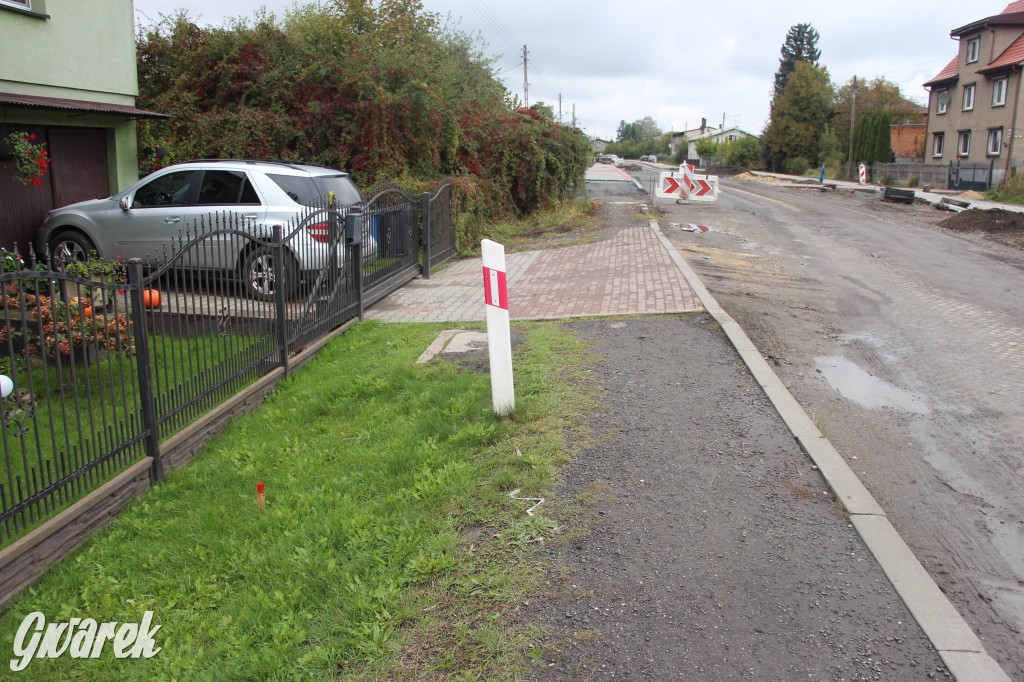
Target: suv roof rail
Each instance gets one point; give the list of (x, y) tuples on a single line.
[(280, 162)]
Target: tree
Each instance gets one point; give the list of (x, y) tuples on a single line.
[(801, 45), (828, 149), (638, 131), (876, 96), (743, 152), (872, 139), (545, 110), (799, 116)]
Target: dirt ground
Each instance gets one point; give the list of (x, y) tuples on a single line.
[(1005, 227)]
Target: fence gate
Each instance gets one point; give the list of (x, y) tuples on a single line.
[(391, 250), (438, 230), (970, 176)]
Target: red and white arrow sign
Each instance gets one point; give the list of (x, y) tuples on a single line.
[(702, 187), (671, 185)]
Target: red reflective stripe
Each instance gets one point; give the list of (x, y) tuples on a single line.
[(502, 292)]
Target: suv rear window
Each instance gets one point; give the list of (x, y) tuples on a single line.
[(311, 191)]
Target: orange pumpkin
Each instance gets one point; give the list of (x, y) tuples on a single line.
[(151, 298)]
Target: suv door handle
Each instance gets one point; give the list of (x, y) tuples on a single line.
[(173, 219)]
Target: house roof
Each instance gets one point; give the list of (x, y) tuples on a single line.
[(1012, 15), (1011, 56), (947, 74), (738, 129), (59, 104)]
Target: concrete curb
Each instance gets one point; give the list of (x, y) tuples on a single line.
[(953, 639)]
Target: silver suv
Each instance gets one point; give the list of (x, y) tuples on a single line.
[(145, 220)]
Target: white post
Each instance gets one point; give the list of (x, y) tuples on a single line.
[(499, 342)]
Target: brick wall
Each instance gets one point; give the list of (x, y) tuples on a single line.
[(908, 139)]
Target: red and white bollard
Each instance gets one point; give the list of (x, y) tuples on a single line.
[(499, 341), (863, 173)]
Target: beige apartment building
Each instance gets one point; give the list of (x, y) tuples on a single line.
[(974, 103)]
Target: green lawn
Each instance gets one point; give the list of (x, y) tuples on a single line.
[(94, 406), (389, 548)]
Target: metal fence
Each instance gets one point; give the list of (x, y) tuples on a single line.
[(106, 359), (954, 175)]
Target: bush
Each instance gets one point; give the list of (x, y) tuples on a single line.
[(886, 179), (798, 165), (912, 181), (382, 93), (1010, 190)]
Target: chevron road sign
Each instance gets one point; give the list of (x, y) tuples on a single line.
[(686, 185)]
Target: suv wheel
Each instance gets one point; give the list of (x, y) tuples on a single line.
[(258, 274), (69, 247)]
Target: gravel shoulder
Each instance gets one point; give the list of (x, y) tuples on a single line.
[(701, 543)]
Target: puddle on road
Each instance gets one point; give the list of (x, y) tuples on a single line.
[(866, 390)]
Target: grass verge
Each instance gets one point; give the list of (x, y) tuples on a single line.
[(389, 548), (562, 220)]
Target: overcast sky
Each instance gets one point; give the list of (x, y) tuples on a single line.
[(674, 61)]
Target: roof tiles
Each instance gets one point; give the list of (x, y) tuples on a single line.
[(948, 73), (1014, 54)]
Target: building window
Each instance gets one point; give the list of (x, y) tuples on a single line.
[(969, 97), (23, 4), (941, 101), (963, 146), (995, 141), (973, 46), (999, 92), (937, 141)]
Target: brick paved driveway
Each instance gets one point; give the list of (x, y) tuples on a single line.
[(628, 273)]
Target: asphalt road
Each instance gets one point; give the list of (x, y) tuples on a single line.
[(906, 344)]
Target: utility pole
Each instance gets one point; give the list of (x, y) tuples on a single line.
[(559, 107), (574, 114), (853, 115), (723, 121), (526, 83)]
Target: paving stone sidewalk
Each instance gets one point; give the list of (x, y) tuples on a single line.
[(629, 273)]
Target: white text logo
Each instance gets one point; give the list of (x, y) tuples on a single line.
[(81, 638)]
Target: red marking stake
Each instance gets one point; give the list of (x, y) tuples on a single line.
[(260, 497)]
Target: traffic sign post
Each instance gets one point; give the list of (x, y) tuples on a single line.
[(499, 342)]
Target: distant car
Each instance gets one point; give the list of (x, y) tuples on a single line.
[(147, 218), (605, 158)]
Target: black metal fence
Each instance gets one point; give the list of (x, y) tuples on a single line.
[(104, 360)]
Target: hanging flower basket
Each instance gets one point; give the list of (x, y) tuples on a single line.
[(31, 161)]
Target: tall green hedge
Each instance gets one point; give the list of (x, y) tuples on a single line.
[(378, 89)]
